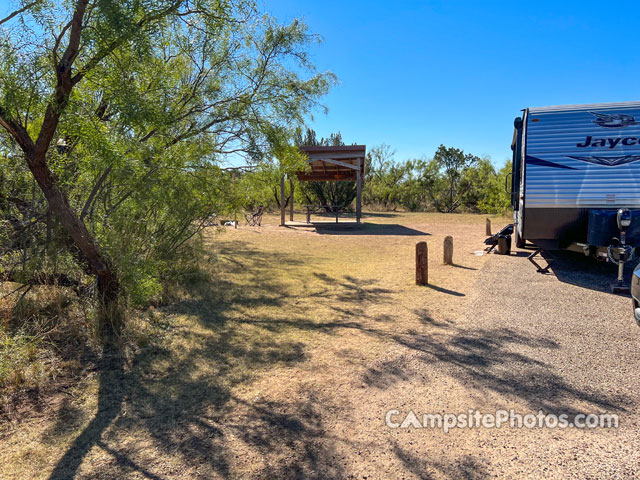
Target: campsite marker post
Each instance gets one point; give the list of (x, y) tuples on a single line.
[(488, 228), (448, 250), (422, 263)]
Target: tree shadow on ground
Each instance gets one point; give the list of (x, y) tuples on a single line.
[(178, 410), (491, 360), (465, 468), (110, 398), (180, 402)]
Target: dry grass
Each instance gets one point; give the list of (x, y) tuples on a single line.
[(264, 361), (48, 342), (36, 324)]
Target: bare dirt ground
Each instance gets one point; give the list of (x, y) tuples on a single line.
[(285, 364)]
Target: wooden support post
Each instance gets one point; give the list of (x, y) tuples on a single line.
[(488, 228), (358, 193), (448, 250), (422, 263), (235, 213), (282, 205), (291, 201)]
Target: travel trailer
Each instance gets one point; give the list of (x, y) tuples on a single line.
[(575, 182)]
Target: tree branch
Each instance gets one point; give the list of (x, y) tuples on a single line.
[(94, 192), (102, 54), (18, 12), (64, 83), (17, 131)]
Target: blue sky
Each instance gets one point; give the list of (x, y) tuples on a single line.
[(415, 74)]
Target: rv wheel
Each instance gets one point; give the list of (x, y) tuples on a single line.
[(520, 242)]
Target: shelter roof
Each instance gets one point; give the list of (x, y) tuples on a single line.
[(334, 163)]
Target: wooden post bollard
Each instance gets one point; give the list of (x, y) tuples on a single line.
[(282, 205), (422, 263), (488, 228), (448, 250), (291, 204)]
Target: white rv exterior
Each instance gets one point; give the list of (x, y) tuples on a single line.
[(569, 160)]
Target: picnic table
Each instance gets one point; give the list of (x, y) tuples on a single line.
[(336, 209)]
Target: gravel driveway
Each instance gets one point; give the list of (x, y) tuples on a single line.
[(558, 343), (341, 337)]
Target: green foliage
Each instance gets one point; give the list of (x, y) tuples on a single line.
[(452, 180), (495, 198), (474, 182), (443, 178), (388, 184), (260, 184), (168, 96), (17, 355)]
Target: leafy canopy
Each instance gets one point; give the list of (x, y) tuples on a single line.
[(165, 94)]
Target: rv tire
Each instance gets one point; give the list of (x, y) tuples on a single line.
[(520, 242)]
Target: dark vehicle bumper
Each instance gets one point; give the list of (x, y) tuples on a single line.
[(635, 292)]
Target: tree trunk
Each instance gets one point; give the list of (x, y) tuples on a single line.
[(277, 197), (108, 283)]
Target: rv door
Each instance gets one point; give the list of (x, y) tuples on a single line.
[(516, 164)]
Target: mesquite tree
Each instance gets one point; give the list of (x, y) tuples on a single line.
[(124, 114), (443, 177)]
